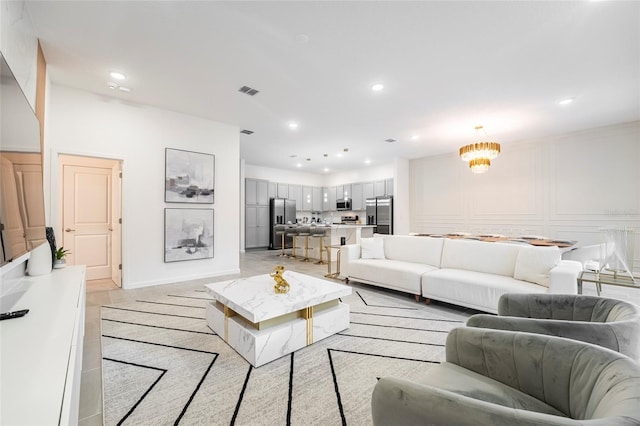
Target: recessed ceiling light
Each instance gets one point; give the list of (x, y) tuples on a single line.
[(308, 159), (414, 137), (346, 150), (325, 155), (377, 87), (298, 165), (293, 125), (325, 169), (367, 161), (339, 154), (390, 140), (124, 89), (565, 101), (117, 75)]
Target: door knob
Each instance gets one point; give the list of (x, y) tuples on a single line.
[(69, 230)]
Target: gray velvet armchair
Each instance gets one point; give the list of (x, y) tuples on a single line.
[(495, 377), (610, 323)]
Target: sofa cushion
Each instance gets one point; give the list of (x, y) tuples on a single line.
[(473, 289), (534, 263), (465, 382), (395, 274), (490, 258), (372, 248), (413, 249)]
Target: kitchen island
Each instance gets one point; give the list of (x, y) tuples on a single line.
[(352, 233)]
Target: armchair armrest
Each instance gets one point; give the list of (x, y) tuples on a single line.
[(347, 253), (563, 278), (601, 334), (401, 402)]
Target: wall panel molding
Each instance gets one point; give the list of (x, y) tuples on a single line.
[(565, 186)]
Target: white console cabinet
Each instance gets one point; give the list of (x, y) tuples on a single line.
[(41, 353)]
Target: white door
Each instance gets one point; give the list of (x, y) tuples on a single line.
[(90, 215)]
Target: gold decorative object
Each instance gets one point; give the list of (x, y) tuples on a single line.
[(282, 286), (480, 154)]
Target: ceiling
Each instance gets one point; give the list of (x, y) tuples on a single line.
[(446, 67)]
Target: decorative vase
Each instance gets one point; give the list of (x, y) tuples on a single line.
[(59, 264)]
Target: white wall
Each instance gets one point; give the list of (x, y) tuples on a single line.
[(82, 123), (565, 187), (363, 174), (283, 176)]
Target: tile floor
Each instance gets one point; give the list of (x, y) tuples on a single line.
[(105, 292)]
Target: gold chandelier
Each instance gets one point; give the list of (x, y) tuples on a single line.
[(479, 154)]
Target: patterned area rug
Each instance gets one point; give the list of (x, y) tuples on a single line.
[(162, 365)]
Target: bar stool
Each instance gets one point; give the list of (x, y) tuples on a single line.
[(305, 231), (279, 231), (292, 232), (319, 232)]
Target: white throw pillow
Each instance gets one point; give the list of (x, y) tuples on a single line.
[(39, 262), (372, 248), (534, 263)]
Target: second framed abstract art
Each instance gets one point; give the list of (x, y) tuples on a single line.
[(188, 234)]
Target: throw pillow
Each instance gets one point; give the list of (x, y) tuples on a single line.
[(534, 263), (372, 248)]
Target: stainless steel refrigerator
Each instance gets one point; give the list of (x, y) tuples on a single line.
[(380, 213), (281, 212)]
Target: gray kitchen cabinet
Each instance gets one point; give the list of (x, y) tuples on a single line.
[(307, 198), (256, 219), (251, 192), (262, 197), (316, 199), (325, 199), (357, 202), (283, 190), (256, 226), (343, 192), (367, 190), (263, 226), (295, 193), (331, 198), (273, 190), (389, 186), (380, 188)]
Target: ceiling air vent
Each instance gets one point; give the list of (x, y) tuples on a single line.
[(248, 90), (246, 132), (389, 140)]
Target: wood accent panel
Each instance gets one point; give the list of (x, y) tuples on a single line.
[(41, 88)]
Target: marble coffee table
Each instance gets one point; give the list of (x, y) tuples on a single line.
[(262, 325)]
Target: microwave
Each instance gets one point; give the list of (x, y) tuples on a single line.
[(343, 204)]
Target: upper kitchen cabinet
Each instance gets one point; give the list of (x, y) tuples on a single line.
[(257, 192), (307, 198), (283, 190), (357, 202), (380, 188), (329, 198), (389, 186), (273, 190), (316, 199), (325, 199), (367, 190), (343, 192), (295, 193)]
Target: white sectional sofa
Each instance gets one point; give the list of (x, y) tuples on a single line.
[(463, 272)]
